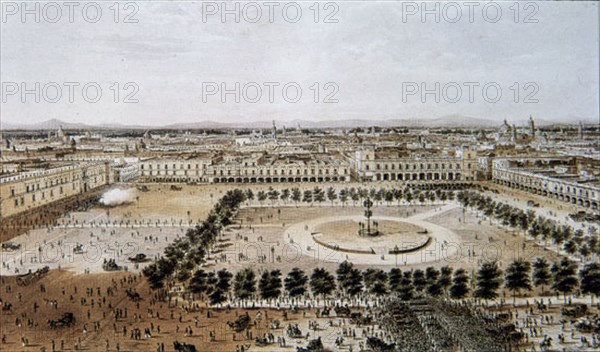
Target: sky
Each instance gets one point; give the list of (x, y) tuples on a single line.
[(161, 62)]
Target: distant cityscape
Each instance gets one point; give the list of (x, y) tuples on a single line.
[(559, 162)]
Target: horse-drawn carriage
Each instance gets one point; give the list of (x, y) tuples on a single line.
[(262, 341), (241, 323), (29, 278), (133, 295), (360, 319), (315, 345), (110, 265), (588, 325), (575, 311), (293, 331), (138, 258), (342, 311), (78, 249), (275, 324), (324, 312), (67, 319), (7, 307), (9, 246), (183, 347)]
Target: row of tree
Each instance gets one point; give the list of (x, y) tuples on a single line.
[(351, 282), (574, 242), (186, 253), (348, 194)]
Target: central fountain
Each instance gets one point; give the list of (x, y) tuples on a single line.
[(367, 231)]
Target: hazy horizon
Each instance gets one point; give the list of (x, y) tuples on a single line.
[(372, 55)]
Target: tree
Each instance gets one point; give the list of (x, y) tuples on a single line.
[(183, 274), (541, 273), (418, 280), (460, 284), (295, 282), (331, 195), (376, 281), (343, 273), (199, 283), (343, 196), (590, 280), (285, 195), (249, 194), (517, 277), (564, 277), (421, 198), (154, 276), (445, 279), (571, 246), (221, 287), (296, 195), (488, 281), (262, 196), (308, 196), (534, 230), (354, 195), (408, 197), (349, 278), (355, 283), (395, 280), (244, 285), (407, 287), (431, 276), (443, 197), (273, 195), (318, 195), (270, 284), (322, 282), (397, 195), (389, 197)]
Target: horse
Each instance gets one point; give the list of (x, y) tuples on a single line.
[(241, 323), (184, 347), (133, 295), (546, 343), (325, 312), (342, 311)]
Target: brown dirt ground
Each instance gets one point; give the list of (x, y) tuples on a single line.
[(61, 285)]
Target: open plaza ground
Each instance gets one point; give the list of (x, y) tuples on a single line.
[(264, 236)]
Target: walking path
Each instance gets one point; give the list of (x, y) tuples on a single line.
[(445, 244)]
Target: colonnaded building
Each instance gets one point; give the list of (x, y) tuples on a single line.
[(395, 164), (27, 190), (253, 168), (42, 167), (559, 178)]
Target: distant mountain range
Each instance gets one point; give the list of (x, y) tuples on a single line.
[(450, 121)]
